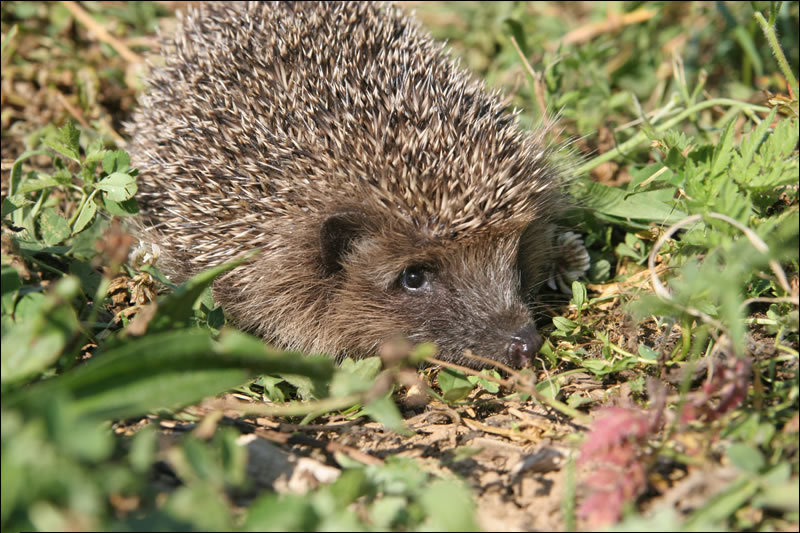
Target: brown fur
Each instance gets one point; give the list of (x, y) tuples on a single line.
[(347, 146)]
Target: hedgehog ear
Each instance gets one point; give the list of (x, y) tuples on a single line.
[(336, 237)]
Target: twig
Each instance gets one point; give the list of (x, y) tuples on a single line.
[(329, 446), (536, 80), (777, 51), (662, 292), (318, 427), (84, 18), (291, 408), (762, 299), (76, 114), (509, 433), (613, 22), (641, 136)]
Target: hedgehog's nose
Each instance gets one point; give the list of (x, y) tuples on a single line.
[(525, 343)]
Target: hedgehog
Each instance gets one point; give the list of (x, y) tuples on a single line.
[(389, 192)]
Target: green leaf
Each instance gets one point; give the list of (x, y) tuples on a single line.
[(85, 216), (578, 294), (782, 496), (752, 141), (564, 324), (169, 369), (37, 185), (449, 506), (387, 511), (723, 151), (10, 36), (648, 353), (271, 388), (366, 369), (490, 386), (616, 202), (12, 203), (95, 152), (746, 458), (347, 382), (548, 388), (281, 512), (176, 310), (118, 186), (66, 141), (723, 505), (454, 384), (10, 283), (41, 331), (384, 410), (117, 161), (599, 367), (185, 502), (519, 35), (53, 227), (122, 209), (144, 446), (351, 485), (422, 351)]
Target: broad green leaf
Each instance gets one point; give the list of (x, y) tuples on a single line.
[(564, 324), (723, 505), (122, 209), (365, 369), (116, 161), (95, 152), (202, 505), (66, 141), (454, 384), (490, 386), (177, 308), (782, 496), (144, 446), (54, 227), (345, 382), (118, 186), (449, 506), (746, 458), (548, 388), (281, 512), (12, 203), (86, 215), (388, 510), (619, 203), (578, 294), (648, 353), (37, 185), (41, 332), (351, 485), (384, 410), (519, 34), (10, 283), (169, 370)]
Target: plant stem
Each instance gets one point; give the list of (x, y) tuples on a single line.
[(641, 136), (772, 39)]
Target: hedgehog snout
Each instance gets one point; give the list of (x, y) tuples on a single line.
[(524, 345)]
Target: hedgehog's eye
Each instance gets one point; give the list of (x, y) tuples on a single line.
[(415, 278)]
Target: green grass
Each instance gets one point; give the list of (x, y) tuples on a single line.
[(684, 125)]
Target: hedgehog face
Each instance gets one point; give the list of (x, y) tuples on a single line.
[(460, 296)]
